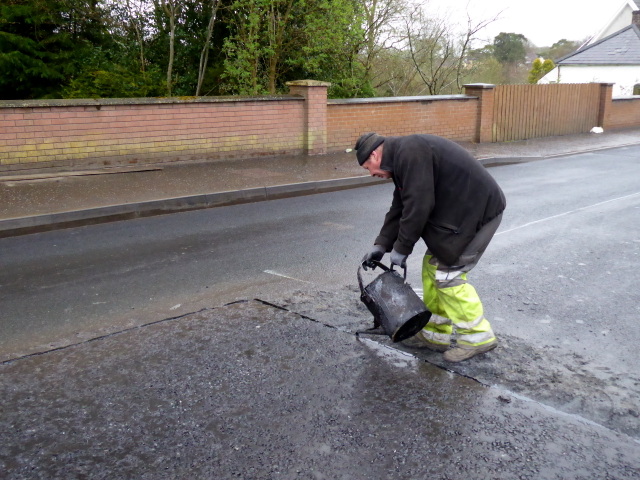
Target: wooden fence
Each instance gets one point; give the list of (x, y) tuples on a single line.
[(531, 111)]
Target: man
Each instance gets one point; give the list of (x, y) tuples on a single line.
[(446, 197)]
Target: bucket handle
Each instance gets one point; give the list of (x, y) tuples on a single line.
[(375, 264)]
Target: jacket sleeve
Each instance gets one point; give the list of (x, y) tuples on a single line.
[(413, 170), (389, 232)]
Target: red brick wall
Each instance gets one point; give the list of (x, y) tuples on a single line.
[(453, 117), (57, 133), (82, 133), (623, 113)]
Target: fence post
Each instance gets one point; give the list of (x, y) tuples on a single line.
[(315, 95), (606, 98), (484, 123)]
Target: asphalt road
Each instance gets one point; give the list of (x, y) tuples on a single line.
[(560, 271), (195, 397), (69, 285), (241, 387)]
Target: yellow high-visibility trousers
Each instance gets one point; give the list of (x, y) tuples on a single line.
[(456, 304)]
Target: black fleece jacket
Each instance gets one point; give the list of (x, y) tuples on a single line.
[(443, 195)]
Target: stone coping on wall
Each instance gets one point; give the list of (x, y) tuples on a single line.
[(98, 102), (423, 98), (308, 83)]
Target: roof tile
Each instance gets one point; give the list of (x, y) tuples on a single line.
[(620, 48)]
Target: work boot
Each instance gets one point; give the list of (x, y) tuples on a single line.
[(419, 340), (464, 352)]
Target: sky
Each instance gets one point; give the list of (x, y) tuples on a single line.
[(543, 22)]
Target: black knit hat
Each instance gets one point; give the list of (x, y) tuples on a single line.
[(366, 144)]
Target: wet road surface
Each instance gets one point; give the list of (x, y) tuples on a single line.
[(558, 395), (252, 391)]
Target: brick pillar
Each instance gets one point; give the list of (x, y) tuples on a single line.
[(315, 95), (606, 98), (485, 93)]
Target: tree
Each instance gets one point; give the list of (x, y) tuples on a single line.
[(332, 37), (467, 38), (44, 43), (273, 41), (242, 48), (172, 8), (509, 48), (106, 48), (432, 53), (559, 49), (487, 70), (115, 81), (438, 52), (204, 55), (119, 66), (397, 74), (176, 37), (279, 19), (378, 34), (539, 69), (135, 23)]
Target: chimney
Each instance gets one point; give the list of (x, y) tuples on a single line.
[(635, 18)]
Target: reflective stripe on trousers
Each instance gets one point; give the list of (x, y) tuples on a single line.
[(448, 295)]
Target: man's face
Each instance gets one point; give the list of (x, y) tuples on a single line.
[(373, 165)]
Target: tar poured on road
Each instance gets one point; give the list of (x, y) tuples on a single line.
[(558, 378), (249, 390)]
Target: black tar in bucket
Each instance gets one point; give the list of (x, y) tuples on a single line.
[(397, 310)]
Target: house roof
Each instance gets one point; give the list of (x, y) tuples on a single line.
[(619, 48), (627, 7)]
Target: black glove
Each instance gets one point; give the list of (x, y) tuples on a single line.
[(376, 253), (398, 259)]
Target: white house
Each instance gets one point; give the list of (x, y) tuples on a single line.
[(622, 18), (614, 58)]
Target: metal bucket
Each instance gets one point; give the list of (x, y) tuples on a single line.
[(397, 310)]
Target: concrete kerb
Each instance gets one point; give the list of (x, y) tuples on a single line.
[(39, 223), (495, 161)]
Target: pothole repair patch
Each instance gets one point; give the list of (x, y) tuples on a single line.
[(251, 391), (562, 380)]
